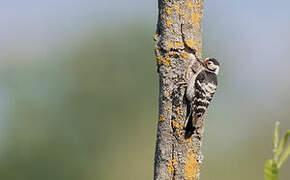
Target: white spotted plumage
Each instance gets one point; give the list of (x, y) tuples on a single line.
[(199, 93)]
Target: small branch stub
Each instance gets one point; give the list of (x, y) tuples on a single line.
[(178, 39)]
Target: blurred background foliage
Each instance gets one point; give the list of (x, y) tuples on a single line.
[(79, 88)]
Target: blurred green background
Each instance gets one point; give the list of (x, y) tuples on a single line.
[(79, 88)]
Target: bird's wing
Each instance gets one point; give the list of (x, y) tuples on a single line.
[(204, 91)]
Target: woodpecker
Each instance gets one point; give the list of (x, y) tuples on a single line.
[(199, 92)]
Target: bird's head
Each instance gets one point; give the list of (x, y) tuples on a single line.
[(212, 65)]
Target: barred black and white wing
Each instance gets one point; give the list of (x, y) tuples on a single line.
[(204, 88)]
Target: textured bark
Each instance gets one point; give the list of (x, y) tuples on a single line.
[(179, 36)]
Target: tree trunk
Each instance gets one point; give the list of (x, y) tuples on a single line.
[(179, 36)]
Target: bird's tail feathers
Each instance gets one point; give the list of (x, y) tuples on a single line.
[(189, 128)]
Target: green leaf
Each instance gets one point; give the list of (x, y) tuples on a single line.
[(271, 170), (284, 156), (283, 143), (276, 139)]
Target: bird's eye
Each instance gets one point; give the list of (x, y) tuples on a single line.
[(209, 63)]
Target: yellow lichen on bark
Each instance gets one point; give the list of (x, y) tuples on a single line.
[(167, 94), (197, 45), (185, 55), (159, 59), (156, 36), (191, 167), (189, 4), (195, 18), (168, 22), (168, 10), (178, 110), (189, 43), (177, 125), (171, 165), (176, 8), (194, 45), (174, 54), (161, 118), (166, 108), (189, 140), (156, 49), (170, 44), (198, 4), (178, 44), (170, 168), (184, 15), (166, 61), (198, 48)]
